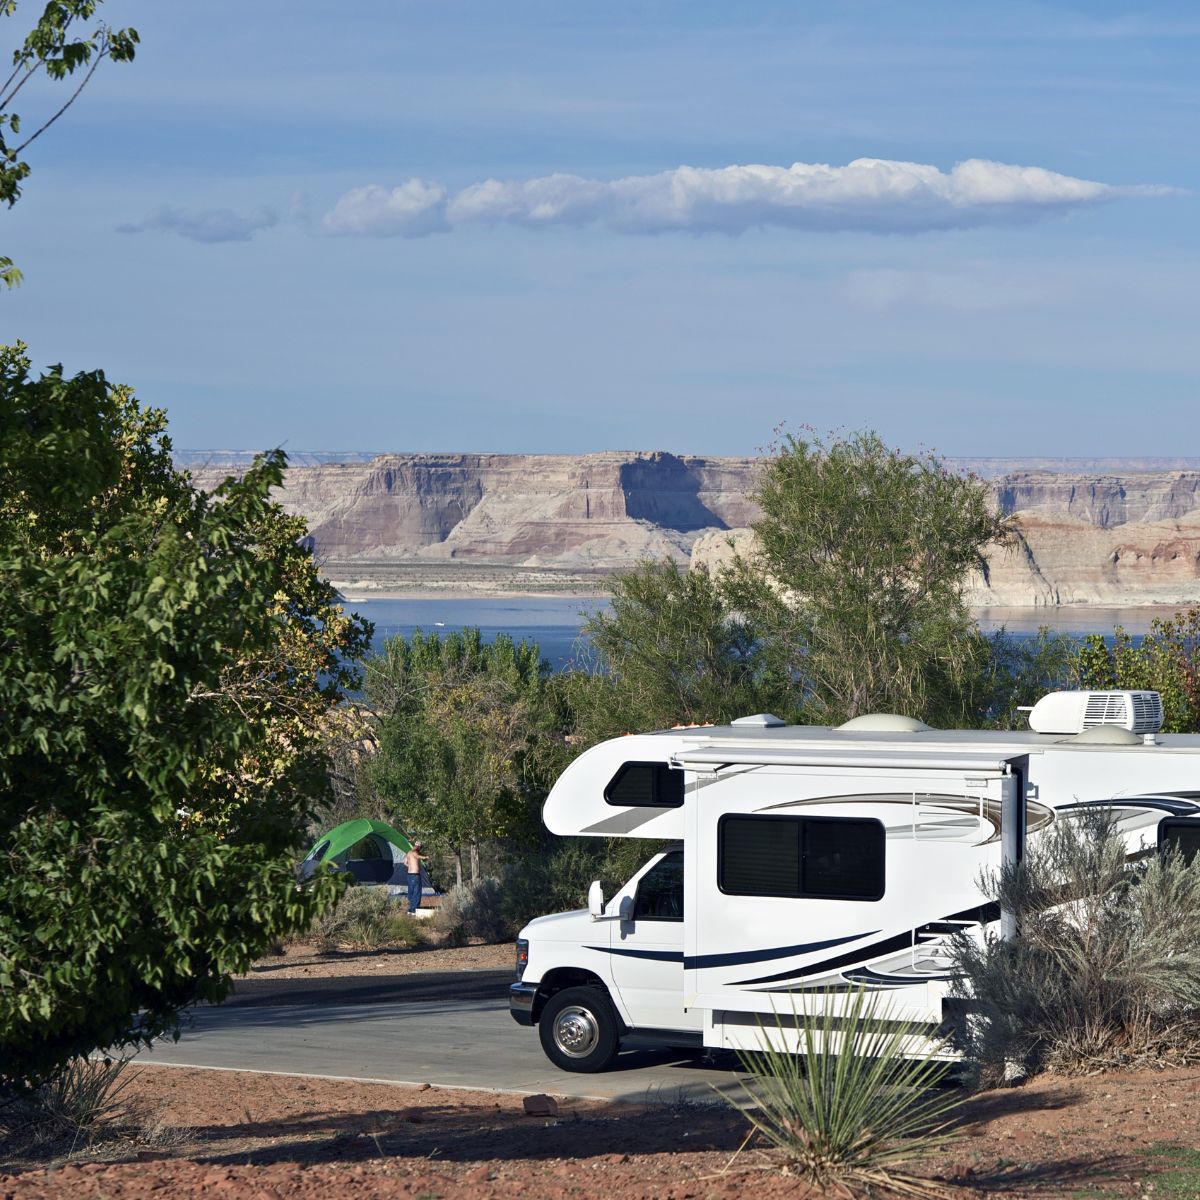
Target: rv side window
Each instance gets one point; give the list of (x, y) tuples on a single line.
[(645, 785), (660, 891), (828, 858), (1181, 834)]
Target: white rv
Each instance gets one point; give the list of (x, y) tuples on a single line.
[(802, 862)]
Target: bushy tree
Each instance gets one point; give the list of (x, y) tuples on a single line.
[(167, 658), (1167, 660), (50, 47), (461, 728), (857, 580), (672, 651)]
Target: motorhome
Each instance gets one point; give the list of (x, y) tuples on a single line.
[(797, 864)]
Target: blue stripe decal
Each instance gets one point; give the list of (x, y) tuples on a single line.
[(655, 955), (754, 956)]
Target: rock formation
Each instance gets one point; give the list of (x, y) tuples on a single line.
[(1096, 537)]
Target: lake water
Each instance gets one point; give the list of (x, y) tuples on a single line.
[(554, 622)]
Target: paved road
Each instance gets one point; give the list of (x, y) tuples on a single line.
[(449, 1029)]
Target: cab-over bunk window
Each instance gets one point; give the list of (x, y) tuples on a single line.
[(825, 858), (645, 785)]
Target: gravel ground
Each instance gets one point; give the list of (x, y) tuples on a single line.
[(239, 1136)]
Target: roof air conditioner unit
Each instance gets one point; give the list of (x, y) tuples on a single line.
[(1073, 712)]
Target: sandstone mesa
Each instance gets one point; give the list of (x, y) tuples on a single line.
[(1117, 533)]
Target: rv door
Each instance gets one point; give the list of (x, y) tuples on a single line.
[(647, 947)]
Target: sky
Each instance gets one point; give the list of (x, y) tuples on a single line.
[(585, 225)]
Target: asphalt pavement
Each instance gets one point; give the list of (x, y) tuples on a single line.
[(449, 1029)]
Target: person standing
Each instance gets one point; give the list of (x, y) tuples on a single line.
[(412, 862)]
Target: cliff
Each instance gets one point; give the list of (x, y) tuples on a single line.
[(401, 520), (1082, 539)]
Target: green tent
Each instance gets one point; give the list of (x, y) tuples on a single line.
[(372, 852)]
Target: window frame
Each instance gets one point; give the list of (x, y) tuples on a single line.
[(656, 765), (800, 893)]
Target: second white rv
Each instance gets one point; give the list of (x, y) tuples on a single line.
[(804, 862)]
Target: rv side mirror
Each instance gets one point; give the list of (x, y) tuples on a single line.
[(596, 900)]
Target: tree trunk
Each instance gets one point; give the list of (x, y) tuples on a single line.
[(458, 878), (474, 863)]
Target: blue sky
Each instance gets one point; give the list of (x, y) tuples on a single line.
[(464, 226)]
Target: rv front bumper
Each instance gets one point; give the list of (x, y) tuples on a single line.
[(520, 1002)]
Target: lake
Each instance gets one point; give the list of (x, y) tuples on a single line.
[(554, 621)]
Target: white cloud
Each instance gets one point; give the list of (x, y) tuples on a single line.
[(413, 209), (205, 225), (869, 195)]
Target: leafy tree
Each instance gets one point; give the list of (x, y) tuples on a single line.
[(1167, 660), (672, 651), (166, 659), (50, 47), (858, 577), (461, 732)]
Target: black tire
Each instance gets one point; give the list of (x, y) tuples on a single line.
[(579, 1030)]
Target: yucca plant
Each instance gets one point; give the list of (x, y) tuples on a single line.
[(858, 1100), (73, 1104)]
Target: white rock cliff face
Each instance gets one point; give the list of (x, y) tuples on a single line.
[(1085, 538)]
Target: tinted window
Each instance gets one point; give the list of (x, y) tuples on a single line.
[(645, 785), (839, 858), (1181, 834), (660, 891), (760, 856), (843, 859)]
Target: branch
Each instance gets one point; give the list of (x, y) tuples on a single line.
[(5, 95), (74, 96)]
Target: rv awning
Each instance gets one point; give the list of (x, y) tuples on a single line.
[(712, 758)]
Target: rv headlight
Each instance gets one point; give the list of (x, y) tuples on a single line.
[(522, 956)]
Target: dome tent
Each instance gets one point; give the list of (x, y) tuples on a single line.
[(371, 851)]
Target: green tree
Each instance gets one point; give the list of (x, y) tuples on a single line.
[(1167, 661), (857, 580), (167, 658), (50, 47), (670, 650), (461, 733)]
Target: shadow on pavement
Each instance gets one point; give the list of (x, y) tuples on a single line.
[(427, 985)]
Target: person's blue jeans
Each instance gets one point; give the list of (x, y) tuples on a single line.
[(414, 891)]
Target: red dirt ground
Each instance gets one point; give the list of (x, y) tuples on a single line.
[(238, 1136)]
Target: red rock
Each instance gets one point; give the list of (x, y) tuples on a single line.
[(540, 1105)]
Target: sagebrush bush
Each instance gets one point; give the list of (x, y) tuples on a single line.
[(1106, 970), (860, 1098), (474, 910), (367, 918)]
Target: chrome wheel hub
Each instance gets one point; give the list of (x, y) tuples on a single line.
[(576, 1032)]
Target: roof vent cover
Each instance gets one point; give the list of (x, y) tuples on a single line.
[(884, 723), (760, 720), (1073, 712)]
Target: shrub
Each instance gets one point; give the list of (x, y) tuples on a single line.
[(858, 1100), (1106, 970), (475, 910), (367, 918)]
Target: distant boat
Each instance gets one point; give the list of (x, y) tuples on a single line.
[(440, 624)]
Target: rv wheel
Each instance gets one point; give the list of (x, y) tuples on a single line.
[(578, 1028)]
